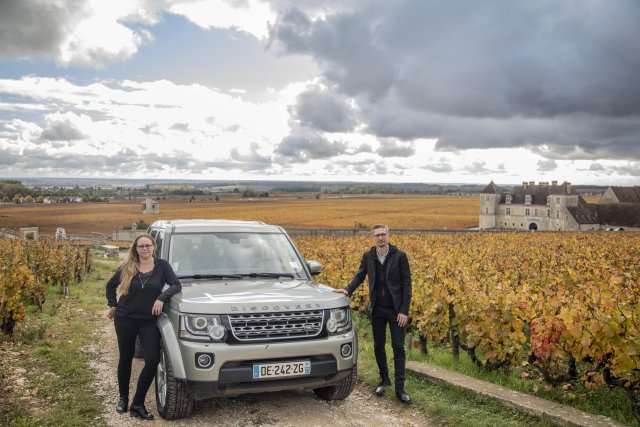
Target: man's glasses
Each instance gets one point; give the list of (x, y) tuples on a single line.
[(144, 246)]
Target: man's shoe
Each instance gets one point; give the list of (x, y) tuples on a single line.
[(381, 387), (403, 397), (138, 410), (123, 404)]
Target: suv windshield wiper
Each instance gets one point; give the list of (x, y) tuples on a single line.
[(274, 275), (211, 276)]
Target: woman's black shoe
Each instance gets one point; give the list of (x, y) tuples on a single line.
[(139, 411), (123, 404)]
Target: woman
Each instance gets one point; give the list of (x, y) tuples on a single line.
[(135, 298)]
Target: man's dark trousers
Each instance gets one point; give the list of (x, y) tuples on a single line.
[(379, 320)]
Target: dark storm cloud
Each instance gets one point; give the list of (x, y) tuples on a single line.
[(35, 26), (473, 73), (325, 111), (303, 148)]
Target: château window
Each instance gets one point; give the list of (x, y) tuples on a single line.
[(486, 210), (508, 211), (558, 214), (527, 212), (527, 199), (548, 200), (557, 200), (535, 212), (508, 198), (548, 212)]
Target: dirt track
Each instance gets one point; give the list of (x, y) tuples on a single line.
[(293, 408)]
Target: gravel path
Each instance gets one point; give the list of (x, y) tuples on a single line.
[(293, 408)]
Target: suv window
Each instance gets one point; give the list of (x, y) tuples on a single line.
[(233, 253)]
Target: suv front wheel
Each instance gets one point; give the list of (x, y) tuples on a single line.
[(172, 398), (340, 391)]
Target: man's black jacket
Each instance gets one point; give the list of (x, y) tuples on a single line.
[(398, 278)]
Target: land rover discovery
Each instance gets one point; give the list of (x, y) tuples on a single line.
[(250, 318)]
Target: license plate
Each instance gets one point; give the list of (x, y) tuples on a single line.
[(281, 369)]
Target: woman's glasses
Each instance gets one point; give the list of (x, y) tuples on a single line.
[(144, 246)]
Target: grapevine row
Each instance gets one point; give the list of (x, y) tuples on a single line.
[(569, 304), (28, 267)]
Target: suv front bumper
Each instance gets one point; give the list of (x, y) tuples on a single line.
[(231, 372)]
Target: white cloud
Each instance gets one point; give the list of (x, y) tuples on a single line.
[(250, 16)]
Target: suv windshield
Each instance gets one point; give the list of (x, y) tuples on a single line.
[(219, 255)]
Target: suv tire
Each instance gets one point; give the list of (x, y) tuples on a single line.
[(339, 391), (172, 398)]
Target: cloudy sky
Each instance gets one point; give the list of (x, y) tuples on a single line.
[(365, 90)]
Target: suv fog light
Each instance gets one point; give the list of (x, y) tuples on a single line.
[(217, 332), (204, 360), (345, 350)]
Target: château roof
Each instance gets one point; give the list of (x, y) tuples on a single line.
[(627, 214), (492, 188), (627, 194), (540, 192), (584, 213)]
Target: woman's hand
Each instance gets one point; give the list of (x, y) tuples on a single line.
[(111, 313), (157, 307)]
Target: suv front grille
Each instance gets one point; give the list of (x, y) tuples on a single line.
[(276, 326)]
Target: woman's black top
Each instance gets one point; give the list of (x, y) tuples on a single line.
[(144, 290)]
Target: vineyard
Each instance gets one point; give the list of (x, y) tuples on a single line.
[(566, 304), (29, 268), (407, 212)]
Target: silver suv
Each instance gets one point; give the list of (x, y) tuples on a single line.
[(250, 318)]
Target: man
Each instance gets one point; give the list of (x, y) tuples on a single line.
[(387, 269)]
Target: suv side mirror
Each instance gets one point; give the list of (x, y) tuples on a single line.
[(314, 267)]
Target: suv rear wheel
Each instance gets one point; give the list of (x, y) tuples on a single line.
[(341, 390), (172, 397)]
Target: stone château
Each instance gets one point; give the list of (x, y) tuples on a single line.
[(557, 207)]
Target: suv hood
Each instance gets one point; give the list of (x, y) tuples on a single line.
[(258, 296)]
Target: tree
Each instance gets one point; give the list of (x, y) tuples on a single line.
[(28, 199), (40, 199)]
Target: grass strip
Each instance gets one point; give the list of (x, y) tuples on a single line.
[(51, 381)]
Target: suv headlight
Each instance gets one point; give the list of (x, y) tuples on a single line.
[(202, 327), (339, 320)]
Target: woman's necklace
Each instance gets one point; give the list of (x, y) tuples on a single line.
[(148, 272), (144, 282)]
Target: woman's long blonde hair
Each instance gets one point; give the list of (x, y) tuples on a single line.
[(129, 267)]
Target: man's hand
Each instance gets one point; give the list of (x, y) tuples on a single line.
[(341, 291), (402, 320), (111, 313), (157, 307)]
